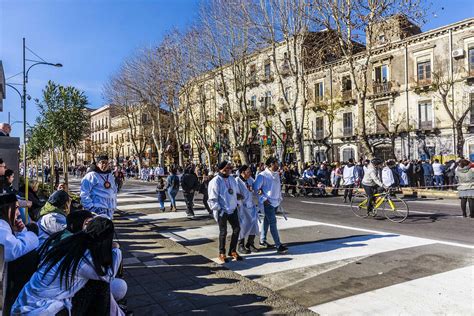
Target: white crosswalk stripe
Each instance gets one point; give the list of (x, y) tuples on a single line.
[(447, 290)]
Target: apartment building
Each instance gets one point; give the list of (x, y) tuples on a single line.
[(404, 112), (100, 121)]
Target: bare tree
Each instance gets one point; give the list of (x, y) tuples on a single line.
[(356, 26), (443, 86), (227, 46)]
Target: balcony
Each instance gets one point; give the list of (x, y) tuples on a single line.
[(470, 74), (347, 131), (382, 88), (319, 134), (285, 69), (267, 78), (347, 96), (252, 80), (425, 125)]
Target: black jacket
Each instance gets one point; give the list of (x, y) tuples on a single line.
[(190, 182)]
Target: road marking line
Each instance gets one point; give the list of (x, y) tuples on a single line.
[(449, 243), (449, 293)]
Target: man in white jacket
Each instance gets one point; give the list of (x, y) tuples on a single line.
[(268, 187), (371, 182), (223, 193), (349, 179)]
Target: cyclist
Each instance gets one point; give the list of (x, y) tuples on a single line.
[(371, 181)]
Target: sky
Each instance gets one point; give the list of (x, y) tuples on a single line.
[(91, 38)]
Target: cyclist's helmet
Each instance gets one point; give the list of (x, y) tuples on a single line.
[(376, 161)]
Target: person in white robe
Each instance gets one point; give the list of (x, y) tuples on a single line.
[(248, 215)]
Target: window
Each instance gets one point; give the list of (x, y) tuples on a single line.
[(288, 94), (253, 102), (425, 115), (348, 153), (319, 91), (319, 127), (268, 98), (267, 70), (424, 71), (472, 108), (382, 118), (347, 124), (382, 38), (346, 83), (288, 127), (252, 73), (381, 73), (471, 60)]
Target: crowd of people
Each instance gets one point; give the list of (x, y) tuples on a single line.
[(60, 257)]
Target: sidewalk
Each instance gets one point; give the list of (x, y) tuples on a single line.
[(165, 278)]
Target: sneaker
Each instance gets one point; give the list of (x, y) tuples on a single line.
[(243, 250), (282, 249), (252, 248), (222, 258), (264, 244), (235, 256)]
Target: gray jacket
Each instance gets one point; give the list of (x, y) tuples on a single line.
[(465, 178), (371, 178)]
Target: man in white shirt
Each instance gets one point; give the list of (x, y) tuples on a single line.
[(438, 171), (268, 187), (349, 179), (388, 179), (223, 193)]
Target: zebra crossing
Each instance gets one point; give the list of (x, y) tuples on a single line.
[(334, 269)]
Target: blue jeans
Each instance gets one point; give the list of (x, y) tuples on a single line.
[(270, 220), (162, 204), (172, 194), (439, 180)]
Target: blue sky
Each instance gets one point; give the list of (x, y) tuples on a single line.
[(91, 38)]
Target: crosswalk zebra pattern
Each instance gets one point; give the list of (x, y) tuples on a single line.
[(334, 269)]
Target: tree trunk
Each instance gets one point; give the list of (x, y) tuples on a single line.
[(242, 151), (460, 140)]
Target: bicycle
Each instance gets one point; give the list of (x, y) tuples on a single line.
[(394, 208)]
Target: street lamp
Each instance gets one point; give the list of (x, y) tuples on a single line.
[(23, 99)]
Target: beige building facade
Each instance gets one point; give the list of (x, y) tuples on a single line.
[(100, 129), (404, 113)]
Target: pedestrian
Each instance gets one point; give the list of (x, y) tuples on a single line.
[(268, 187), (98, 189), (465, 178), (53, 215), (65, 269), (403, 172), (119, 178), (336, 176), (190, 184), (172, 186), (161, 190), (248, 216), (390, 177), (450, 173), (427, 173), (223, 194), (5, 129), (203, 189), (348, 176), (438, 171)]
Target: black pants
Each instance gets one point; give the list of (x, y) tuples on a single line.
[(464, 202), (348, 191), (370, 191), (205, 197), (233, 220), (93, 299), (250, 241), (19, 273), (189, 198), (290, 185)]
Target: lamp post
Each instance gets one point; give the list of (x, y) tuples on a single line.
[(23, 101)]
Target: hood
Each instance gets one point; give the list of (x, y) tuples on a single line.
[(463, 169), (48, 208)]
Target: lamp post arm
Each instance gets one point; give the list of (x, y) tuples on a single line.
[(14, 88), (40, 63)]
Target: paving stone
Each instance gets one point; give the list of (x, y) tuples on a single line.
[(177, 306), (155, 263), (139, 301), (165, 296), (134, 272), (148, 278), (130, 261), (136, 289), (150, 310)]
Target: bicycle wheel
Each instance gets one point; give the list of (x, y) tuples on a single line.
[(359, 205), (395, 209)]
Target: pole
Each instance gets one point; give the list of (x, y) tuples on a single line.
[(23, 99)]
